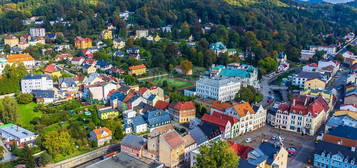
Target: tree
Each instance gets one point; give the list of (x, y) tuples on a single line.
[(45, 159), (339, 57), (267, 64), (130, 80), (2, 151), (24, 98), (186, 66), (57, 142), (249, 94), (26, 157), (8, 110), (217, 154)]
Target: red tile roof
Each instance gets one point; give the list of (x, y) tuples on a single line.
[(161, 105), (219, 120), (137, 67), (102, 132), (77, 58), (303, 105), (221, 106), (50, 68), (240, 150), (180, 106), (173, 139)]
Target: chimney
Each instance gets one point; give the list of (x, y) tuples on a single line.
[(353, 149), (294, 101)]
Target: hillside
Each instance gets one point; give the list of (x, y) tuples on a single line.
[(254, 2)]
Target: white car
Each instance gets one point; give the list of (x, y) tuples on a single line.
[(248, 140)]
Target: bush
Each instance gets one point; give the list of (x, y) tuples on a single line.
[(24, 98)]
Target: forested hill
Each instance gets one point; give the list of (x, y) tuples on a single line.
[(264, 28)]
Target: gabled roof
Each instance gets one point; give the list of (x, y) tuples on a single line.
[(332, 149), (180, 106), (133, 141), (240, 150), (344, 132), (221, 106), (243, 108), (15, 58), (102, 132), (156, 117), (138, 120), (173, 139), (137, 67), (50, 68), (161, 105), (351, 114), (68, 81)]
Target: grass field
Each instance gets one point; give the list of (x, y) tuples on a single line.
[(26, 113), (171, 82)]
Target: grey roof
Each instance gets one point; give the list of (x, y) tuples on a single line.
[(330, 148), (310, 75), (138, 120), (15, 131), (124, 160), (37, 76), (344, 131), (133, 141), (43, 93), (105, 110), (68, 81), (157, 117), (265, 152), (198, 135)]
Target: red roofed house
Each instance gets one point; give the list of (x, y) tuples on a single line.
[(240, 150), (77, 60), (101, 136), (137, 69), (171, 149), (182, 111), (229, 125), (52, 70), (304, 115), (83, 43), (162, 105)]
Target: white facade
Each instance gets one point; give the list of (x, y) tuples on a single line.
[(37, 32), (330, 50), (36, 82), (222, 89), (11, 132), (307, 54)]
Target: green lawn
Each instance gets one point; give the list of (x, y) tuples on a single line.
[(173, 83), (26, 113)]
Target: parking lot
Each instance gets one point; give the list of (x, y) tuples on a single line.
[(303, 144)]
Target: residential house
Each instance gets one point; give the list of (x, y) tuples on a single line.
[(171, 149), (107, 34), (44, 96), (351, 97), (218, 48), (240, 150), (342, 118), (352, 79), (107, 113), (63, 56), (156, 119), (142, 33), (37, 40), (341, 135), (137, 69), (98, 91), (306, 55), (300, 78), (53, 70), (26, 59), (89, 68), (37, 32), (135, 124), (310, 67), (330, 50), (250, 118), (77, 60), (119, 53), (304, 115), (228, 125), (266, 155), (36, 82), (349, 107), (133, 52), (162, 105), (179, 70), (190, 145), (66, 83), (133, 145), (103, 65), (11, 40), (315, 83), (332, 155), (11, 133), (101, 136), (182, 112), (118, 43), (83, 43)]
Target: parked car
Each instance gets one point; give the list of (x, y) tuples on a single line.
[(291, 151), (248, 140)]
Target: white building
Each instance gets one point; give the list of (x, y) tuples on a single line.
[(330, 50), (306, 54), (36, 82), (222, 83), (222, 89), (12, 132), (37, 32), (300, 78)]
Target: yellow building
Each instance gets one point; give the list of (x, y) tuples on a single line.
[(171, 149), (83, 43), (11, 40), (107, 113), (315, 83), (89, 69), (267, 155), (107, 34), (118, 43), (52, 70), (137, 69)]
